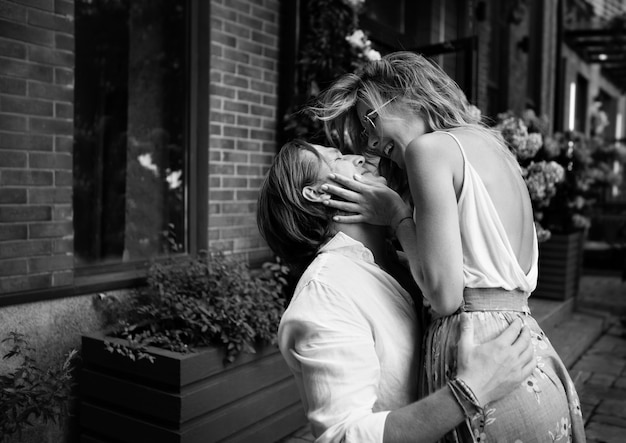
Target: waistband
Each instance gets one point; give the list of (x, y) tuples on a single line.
[(492, 299)]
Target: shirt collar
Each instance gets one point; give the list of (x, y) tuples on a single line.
[(347, 246)]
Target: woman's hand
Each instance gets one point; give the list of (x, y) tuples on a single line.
[(369, 201)]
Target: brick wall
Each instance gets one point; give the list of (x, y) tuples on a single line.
[(244, 98), (36, 128)]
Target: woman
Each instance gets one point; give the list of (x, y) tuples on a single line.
[(470, 242)]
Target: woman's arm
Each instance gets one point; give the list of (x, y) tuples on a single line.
[(433, 244), (432, 241)]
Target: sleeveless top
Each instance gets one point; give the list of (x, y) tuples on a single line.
[(488, 258)]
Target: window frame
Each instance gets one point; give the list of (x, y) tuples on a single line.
[(100, 278)]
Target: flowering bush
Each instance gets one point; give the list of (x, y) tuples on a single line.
[(566, 172), (332, 44)]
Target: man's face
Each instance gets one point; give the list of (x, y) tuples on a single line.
[(337, 163)]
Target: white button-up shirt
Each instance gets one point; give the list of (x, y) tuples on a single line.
[(350, 337)]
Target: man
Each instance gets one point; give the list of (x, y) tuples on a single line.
[(351, 334)]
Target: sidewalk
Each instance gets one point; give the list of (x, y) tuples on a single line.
[(600, 373)]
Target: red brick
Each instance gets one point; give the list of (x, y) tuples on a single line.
[(64, 42), (12, 49), (24, 33), (25, 283), (51, 263), (51, 229), (236, 106), (49, 195), (64, 77), (248, 96), (224, 39), (62, 212), (51, 126), (63, 178), (26, 142), (251, 22), (10, 159), (51, 91), (46, 5), (26, 178), (12, 195), (64, 8), (12, 232), (65, 278), (13, 86), (51, 57), (262, 135), (13, 267), (12, 12), (64, 144), (64, 110), (25, 248), (235, 131), (24, 213), (248, 120), (50, 161), (50, 21), (29, 106), (12, 123), (62, 245), (22, 69)]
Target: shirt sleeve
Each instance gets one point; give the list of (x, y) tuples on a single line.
[(330, 348)]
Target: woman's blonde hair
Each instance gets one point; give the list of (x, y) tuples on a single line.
[(421, 85)]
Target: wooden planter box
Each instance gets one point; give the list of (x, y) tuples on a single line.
[(560, 266), (185, 398)]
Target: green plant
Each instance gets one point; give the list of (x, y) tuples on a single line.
[(213, 299), (332, 44), (31, 393), (566, 172)]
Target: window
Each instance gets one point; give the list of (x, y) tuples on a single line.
[(132, 146)]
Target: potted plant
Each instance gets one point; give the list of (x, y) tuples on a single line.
[(30, 394), (565, 173), (193, 358)]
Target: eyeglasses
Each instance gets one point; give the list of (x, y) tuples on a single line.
[(370, 116)]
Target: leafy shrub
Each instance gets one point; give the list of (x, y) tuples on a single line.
[(30, 392), (213, 299)]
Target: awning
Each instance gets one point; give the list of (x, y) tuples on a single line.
[(606, 47)]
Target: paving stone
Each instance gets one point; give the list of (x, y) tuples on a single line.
[(615, 408), (600, 432), (620, 383), (610, 420), (602, 379)]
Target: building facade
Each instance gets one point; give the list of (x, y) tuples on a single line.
[(132, 130)]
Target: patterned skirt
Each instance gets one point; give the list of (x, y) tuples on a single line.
[(544, 408)]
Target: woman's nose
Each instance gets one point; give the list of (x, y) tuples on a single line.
[(372, 141)]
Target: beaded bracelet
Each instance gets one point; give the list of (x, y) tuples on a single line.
[(465, 397)]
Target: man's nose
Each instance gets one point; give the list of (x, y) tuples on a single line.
[(357, 160)]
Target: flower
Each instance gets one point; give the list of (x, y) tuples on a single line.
[(359, 41), (565, 172)]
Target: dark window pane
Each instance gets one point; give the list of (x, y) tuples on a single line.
[(130, 154)]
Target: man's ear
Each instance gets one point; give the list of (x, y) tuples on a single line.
[(314, 194)]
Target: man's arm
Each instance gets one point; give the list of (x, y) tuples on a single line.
[(491, 370)]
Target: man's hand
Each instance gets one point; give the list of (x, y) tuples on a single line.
[(495, 368)]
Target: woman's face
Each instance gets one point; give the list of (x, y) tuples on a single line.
[(388, 131)]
